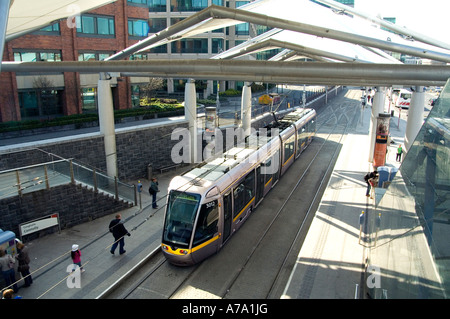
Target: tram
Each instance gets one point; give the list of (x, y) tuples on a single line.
[(209, 203)]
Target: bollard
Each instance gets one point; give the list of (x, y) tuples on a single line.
[(361, 223)]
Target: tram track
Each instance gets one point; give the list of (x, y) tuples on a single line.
[(256, 262)]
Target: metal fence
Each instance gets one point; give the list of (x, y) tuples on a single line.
[(32, 178)]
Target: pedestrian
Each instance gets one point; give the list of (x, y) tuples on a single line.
[(119, 231), (76, 257), (9, 294), (24, 261), (373, 181), (153, 190), (399, 153), (7, 266), (369, 178)]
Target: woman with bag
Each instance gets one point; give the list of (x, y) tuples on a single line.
[(24, 261), (7, 263)]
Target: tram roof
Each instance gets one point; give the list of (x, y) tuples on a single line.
[(218, 167)]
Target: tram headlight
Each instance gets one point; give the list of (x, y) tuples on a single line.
[(184, 252)]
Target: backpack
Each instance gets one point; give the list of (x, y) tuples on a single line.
[(366, 178), (151, 190)]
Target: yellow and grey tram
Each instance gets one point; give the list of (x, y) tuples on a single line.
[(208, 203)]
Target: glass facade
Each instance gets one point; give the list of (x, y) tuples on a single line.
[(410, 227)]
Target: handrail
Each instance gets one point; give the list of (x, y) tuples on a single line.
[(36, 177)]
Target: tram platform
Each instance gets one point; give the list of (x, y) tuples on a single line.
[(329, 265)]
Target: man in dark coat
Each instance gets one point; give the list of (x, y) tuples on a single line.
[(119, 231)]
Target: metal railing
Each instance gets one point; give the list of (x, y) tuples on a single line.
[(37, 177)]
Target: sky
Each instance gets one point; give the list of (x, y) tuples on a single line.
[(429, 17)]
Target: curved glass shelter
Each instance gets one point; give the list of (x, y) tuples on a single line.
[(410, 227)]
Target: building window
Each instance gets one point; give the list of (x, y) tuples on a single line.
[(93, 56), (159, 49), (156, 25), (40, 102), (97, 26), (138, 57), (217, 45), (217, 2), (188, 5), (157, 5), (190, 46), (33, 56), (138, 3), (89, 100), (137, 28), (241, 3), (242, 29), (49, 30)]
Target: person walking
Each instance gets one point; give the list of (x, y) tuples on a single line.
[(7, 266), (399, 154), (24, 261), (153, 190), (119, 231), (76, 257)]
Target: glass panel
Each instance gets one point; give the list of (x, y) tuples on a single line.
[(87, 24), (88, 100), (157, 5), (25, 56), (180, 217), (103, 26), (410, 229), (207, 222)]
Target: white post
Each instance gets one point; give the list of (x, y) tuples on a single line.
[(246, 108), (377, 108), (190, 111), (415, 116), (106, 122)]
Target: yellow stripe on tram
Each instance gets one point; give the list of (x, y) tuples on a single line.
[(246, 206)]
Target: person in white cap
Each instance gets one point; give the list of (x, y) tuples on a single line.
[(76, 257)]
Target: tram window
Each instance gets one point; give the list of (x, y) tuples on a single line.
[(243, 193), (180, 216), (207, 222)]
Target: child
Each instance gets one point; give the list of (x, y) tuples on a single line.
[(76, 257)]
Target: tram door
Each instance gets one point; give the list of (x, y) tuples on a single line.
[(227, 216)]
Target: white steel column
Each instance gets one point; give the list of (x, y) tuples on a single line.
[(246, 108), (190, 111), (377, 108), (415, 116), (106, 122)]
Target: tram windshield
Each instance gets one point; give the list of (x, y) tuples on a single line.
[(180, 217)]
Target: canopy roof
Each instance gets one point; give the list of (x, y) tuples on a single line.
[(307, 24), (301, 27), (27, 16)]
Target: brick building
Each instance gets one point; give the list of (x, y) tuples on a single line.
[(97, 34), (91, 36)]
